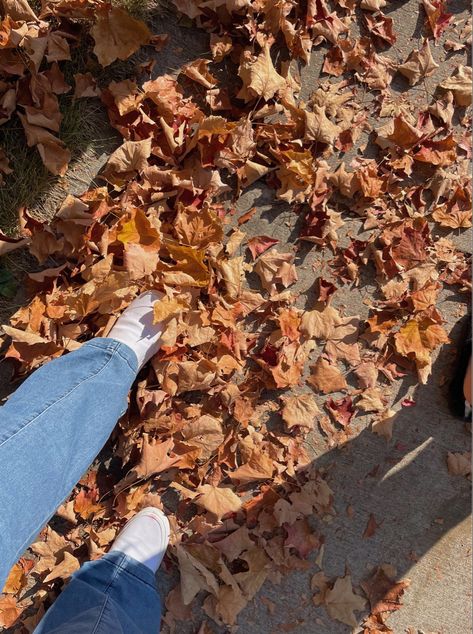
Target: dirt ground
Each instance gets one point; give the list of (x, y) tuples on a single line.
[(422, 511)]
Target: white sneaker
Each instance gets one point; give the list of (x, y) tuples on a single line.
[(145, 537), (136, 329)]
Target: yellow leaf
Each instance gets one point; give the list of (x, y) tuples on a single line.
[(168, 307), (136, 228), (190, 262), (418, 339)]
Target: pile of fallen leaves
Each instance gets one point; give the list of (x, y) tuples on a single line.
[(32, 50), (216, 428)]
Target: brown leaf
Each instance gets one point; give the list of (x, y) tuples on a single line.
[(198, 71), (383, 593), (16, 580), (85, 86), (384, 425), (300, 411), (318, 126), (326, 377), (259, 76), (52, 150), (10, 611), (342, 411), (217, 500), (117, 35), (419, 64), (130, 159), (64, 569), (259, 244), (460, 85), (418, 338), (459, 463), (371, 400), (371, 527), (155, 458), (19, 10), (341, 602)]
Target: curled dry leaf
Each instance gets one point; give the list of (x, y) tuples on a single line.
[(460, 85), (384, 594), (459, 463), (419, 64)]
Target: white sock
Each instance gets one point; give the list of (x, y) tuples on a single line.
[(145, 537), (136, 329)]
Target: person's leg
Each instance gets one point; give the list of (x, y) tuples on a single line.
[(467, 384), (55, 424), (460, 384), (116, 594)]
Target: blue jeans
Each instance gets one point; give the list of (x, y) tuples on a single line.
[(51, 429)]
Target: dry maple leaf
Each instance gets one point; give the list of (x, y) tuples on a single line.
[(117, 34), (419, 64), (459, 463), (194, 576), (217, 500), (383, 426), (371, 527), (128, 160), (259, 244), (299, 411), (260, 78), (326, 377), (383, 593), (460, 85), (155, 458), (63, 569), (418, 338), (10, 611), (198, 71), (341, 602), (16, 580), (438, 19)]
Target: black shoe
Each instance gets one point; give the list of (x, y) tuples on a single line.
[(456, 397)]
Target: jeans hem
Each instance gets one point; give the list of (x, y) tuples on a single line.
[(114, 346), (131, 566)]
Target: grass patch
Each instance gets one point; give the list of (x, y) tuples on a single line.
[(84, 127)]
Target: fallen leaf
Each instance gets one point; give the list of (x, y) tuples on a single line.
[(383, 593), (259, 244), (10, 611), (326, 377), (459, 463), (16, 580), (260, 78), (341, 602), (371, 527), (300, 411), (460, 85), (419, 64), (64, 569), (117, 34), (217, 500)]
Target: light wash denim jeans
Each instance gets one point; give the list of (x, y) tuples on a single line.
[(51, 429)]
